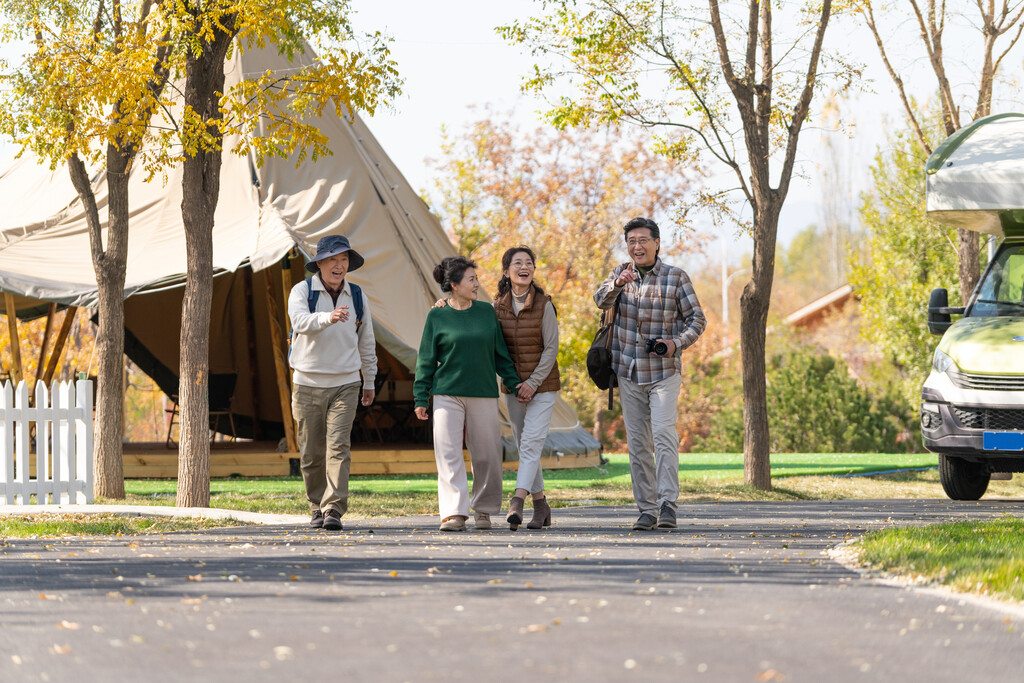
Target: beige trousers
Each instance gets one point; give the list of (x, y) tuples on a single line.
[(649, 412), (324, 418), (477, 419)]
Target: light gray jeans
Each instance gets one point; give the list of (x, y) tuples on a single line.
[(324, 418), (530, 424), (649, 412)]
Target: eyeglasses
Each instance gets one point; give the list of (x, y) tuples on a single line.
[(521, 264), (642, 242)]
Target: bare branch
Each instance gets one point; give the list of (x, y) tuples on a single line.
[(80, 180), (97, 24), (869, 19), (803, 105)]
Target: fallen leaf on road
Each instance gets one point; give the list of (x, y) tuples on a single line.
[(69, 625), (60, 649), (194, 577), (534, 628)]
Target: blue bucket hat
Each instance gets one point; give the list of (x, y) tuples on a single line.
[(332, 245)]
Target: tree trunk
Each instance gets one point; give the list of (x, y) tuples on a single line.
[(109, 262), (204, 79), (599, 423), (109, 458), (754, 305), (969, 265)]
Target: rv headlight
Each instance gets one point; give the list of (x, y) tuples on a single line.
[(941, 362)]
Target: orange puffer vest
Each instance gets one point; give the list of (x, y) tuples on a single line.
[(524, 338)]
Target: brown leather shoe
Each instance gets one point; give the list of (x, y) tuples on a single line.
[(541, 514), (515, 512), (316, 521), (332, 520)]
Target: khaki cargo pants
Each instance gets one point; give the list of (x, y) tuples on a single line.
[(324, 418)]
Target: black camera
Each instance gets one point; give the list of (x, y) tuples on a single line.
[(656, 347)]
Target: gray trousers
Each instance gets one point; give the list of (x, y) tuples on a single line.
[(530, 424), (324, 417), (649, 412)]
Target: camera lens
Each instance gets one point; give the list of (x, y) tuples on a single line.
[(660, 348)]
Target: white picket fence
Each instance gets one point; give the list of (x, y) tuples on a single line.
[(61, 444)]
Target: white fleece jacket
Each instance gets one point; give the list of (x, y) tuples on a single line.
[(325, 354)]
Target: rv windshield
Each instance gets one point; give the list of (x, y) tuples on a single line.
[(1002, 290)]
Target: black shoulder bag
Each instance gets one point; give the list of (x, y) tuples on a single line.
[(599, 357)]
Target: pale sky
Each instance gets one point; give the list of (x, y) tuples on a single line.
[(452, 60)]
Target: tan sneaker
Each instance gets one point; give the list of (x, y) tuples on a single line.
[(481, 520), (453, 523)]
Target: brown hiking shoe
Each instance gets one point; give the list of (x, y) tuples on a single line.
[(453, 523)]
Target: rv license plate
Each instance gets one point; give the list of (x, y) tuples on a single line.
[(1003, 441)]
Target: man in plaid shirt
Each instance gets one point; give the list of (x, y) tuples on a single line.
[(657, 311)]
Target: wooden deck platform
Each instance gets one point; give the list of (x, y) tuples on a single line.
[(261, 459)]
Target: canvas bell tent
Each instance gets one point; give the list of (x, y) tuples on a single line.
[(268, 221)]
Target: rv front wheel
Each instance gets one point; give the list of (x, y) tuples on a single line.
[(962, 479)]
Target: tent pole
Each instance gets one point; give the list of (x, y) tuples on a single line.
[(280, 367), (254, 366), (58, 343), (12, 326), (51, 311), (286, 288)]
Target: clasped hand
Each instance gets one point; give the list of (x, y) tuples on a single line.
[(525, 393)]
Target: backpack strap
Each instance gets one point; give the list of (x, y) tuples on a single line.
[(311, 295), (357, 302), (357, 299)]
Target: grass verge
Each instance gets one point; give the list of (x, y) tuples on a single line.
[(971, 557), (47, 525), (702, 477)]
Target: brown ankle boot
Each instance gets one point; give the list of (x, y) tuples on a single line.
[(515, 513), (541, 514)]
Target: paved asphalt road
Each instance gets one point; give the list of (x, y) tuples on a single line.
[(740, 592)]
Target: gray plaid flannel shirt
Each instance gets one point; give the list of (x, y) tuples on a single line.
[(662, 305)]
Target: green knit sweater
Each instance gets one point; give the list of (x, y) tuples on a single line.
[(460, 353)]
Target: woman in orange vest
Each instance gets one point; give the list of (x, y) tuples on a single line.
[(530, 327)]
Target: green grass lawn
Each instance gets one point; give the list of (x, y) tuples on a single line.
[(703, 476), (49, 525), (975, 557)]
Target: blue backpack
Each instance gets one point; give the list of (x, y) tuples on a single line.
[(357, 299), (312, 295)]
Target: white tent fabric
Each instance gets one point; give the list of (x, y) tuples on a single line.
[(262, 213), (978, 185)]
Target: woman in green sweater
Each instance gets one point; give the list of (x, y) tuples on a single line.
[(461, 351)]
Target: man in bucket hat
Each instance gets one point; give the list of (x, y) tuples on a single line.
[(332, 343)]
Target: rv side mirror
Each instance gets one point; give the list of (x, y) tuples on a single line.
[(939, 311)]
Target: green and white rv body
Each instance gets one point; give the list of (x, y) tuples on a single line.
[(972, 404)]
